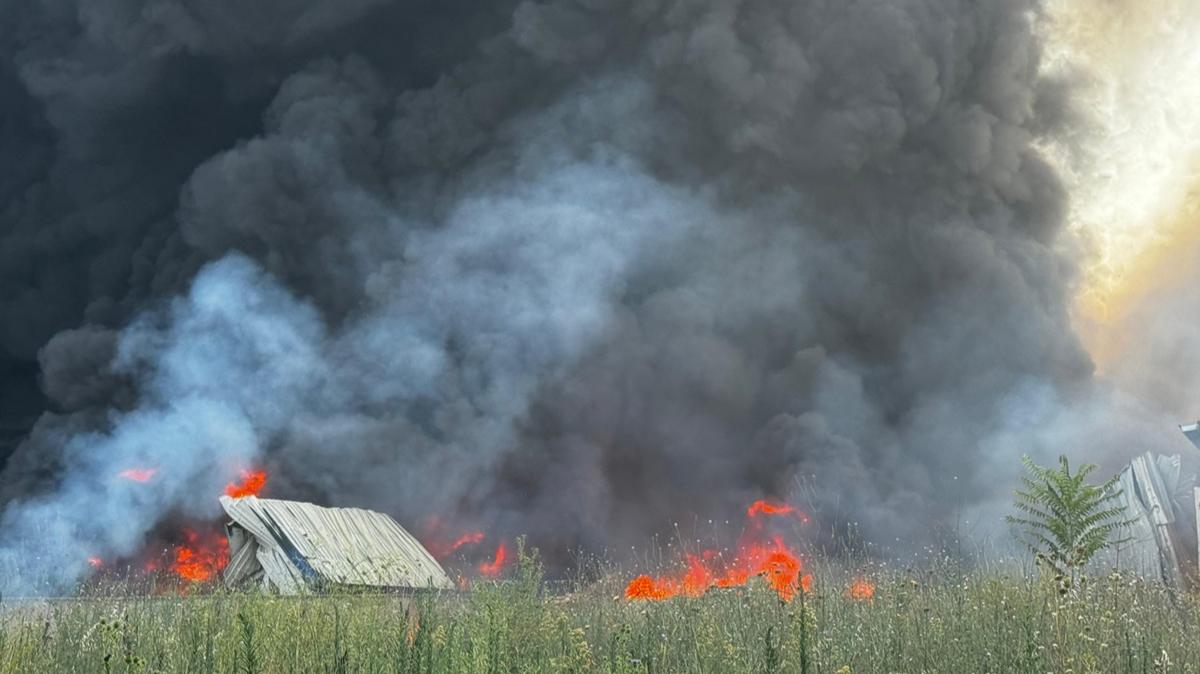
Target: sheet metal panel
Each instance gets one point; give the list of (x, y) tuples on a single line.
[(1192, 432), (345, 546), (243, 561), (1150, 490)]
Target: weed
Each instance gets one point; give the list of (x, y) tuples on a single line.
[(943, 623)]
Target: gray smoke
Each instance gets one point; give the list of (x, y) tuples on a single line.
[(576, 269)]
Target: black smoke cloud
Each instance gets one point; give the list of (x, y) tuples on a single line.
[(107, 108), (570, 268)]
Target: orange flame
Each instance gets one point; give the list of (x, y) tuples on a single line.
[(646, 587), (779, 566), (96, 562), (861, 590), (768, 508), (252, 484), (473, 537), (138, 474), (761, 507), (772, 560), (199, 559), (441, 550), (494, 567)]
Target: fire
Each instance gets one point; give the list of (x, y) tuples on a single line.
[(441, 546), (767, 508), (771, 560), (761, 507), (861, 590), (442, 550), (138, 474), (252, 484), (95, 562), (465, 539), (494, 567), (645, 587), (775, 562), (778, 565), (199, 559)]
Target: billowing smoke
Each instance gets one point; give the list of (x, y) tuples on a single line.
[(575, 268)]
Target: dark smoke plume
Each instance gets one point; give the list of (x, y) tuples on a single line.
[(571, 268)]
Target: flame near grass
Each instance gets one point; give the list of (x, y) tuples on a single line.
[(770, 559)]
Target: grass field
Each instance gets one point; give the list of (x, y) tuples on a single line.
[(929, 622)]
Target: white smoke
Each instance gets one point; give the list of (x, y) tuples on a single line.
[(455, 338)]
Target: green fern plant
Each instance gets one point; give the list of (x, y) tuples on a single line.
[(1064, 520)]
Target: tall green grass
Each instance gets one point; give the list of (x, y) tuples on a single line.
[(935, 622)]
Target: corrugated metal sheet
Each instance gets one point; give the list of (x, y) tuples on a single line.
[(243, 566), (301, 544), (1155, 493)]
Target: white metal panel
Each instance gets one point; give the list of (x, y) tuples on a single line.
[(280, 572), (1196, 504), (1153, 490), (243, 562), (1148, 486), (1192, 431), (347, 546)]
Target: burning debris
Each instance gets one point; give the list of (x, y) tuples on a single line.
[(289, 546), (201, 557)]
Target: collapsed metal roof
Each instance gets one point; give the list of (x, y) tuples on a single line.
[(1158, 497), (289, 546)]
